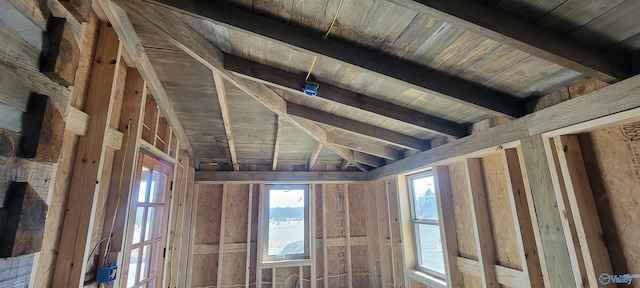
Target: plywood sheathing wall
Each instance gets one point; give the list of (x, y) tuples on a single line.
[(348, 241), (464, 223), (489, 248), (612, 159)]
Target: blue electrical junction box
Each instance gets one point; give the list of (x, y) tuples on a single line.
[(311, 90), (107, 274)]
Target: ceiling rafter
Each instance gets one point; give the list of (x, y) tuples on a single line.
[(330, 119), (527, 37), (390, 68), (276, 143), (363, 146), (226, 119), (314, 156), (344, 165), (181, 35), (367, 159), (294, 83)]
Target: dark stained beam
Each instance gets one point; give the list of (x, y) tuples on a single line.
[(295, 83), (524, 36), (389, 68), (326, 118)]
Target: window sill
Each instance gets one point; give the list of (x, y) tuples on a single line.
[(426, 279), (286, 263)]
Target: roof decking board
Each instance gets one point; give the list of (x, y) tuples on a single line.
[(385, 24), (528, 10), (213, 33), (149, 37), (571, 15), (463, 53), (295, 145), (274, 8), (179, 73), (612, 27), (421, 28), (253, 127), (529, 71), (500, 59)]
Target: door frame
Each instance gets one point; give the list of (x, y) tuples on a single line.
[(148, 159)]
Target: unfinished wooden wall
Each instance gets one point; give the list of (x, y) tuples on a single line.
[(612, 161), (486, 223), (352, 229)]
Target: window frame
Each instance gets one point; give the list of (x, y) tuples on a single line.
[(267, 260), (415, 222)]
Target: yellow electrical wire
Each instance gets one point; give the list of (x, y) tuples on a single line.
[(313, 64), (334, 20)]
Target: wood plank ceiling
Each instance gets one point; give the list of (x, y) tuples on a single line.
[(393, 75)]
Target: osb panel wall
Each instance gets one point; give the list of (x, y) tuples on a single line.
[(343, 216), (500, 214), (464, 223), (612, 159), (462, 212), (385, 244)]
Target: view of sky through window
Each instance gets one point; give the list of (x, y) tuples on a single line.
[(286, 222)]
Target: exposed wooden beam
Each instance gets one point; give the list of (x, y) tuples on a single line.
[(388, 136), (294, 83), (524, 36), (276, 144), (226, 119), (169, 24), (314, 156), (363, 146), (367, 159), (389, 68), (344, 165), (275, 176), (132, 44), (615, 98)]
